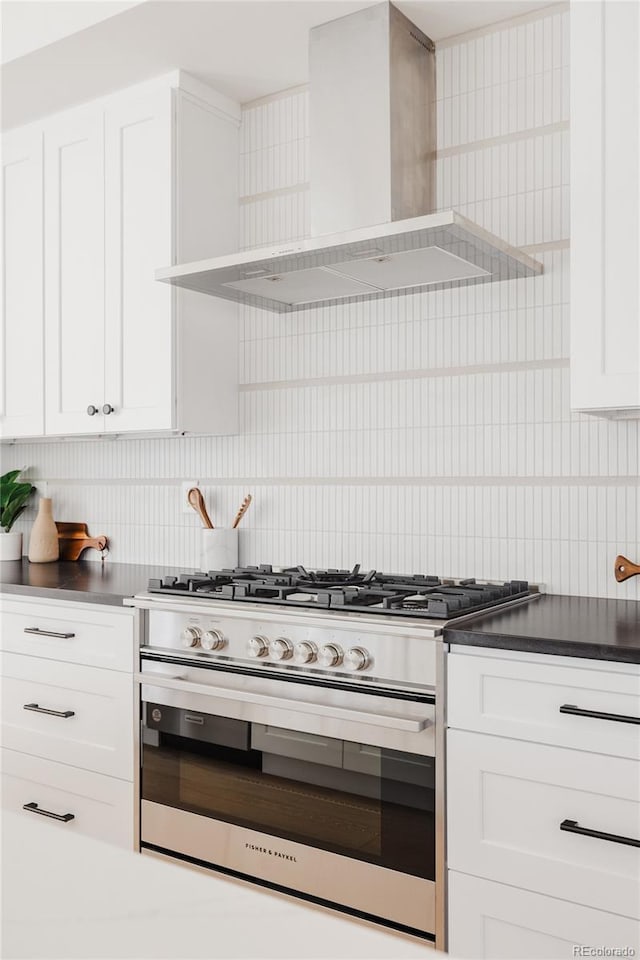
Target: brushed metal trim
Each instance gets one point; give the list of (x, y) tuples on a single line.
[(388, 894)]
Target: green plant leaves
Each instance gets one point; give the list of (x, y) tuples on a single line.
[(13, 498)]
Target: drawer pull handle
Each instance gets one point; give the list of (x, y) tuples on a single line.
[(572, 826), (34, 808), (52, 713), (48, 633), (580, 712)]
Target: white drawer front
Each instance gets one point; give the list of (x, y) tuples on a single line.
[(507, 800), (522, 699), (102, 807), (98, 736), (497, 922), (69, 632)]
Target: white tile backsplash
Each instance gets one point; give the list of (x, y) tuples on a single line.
[(428, 432)]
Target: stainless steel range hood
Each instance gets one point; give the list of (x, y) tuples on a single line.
[(372, 105)]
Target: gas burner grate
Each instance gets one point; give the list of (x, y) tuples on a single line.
[(418, 595)]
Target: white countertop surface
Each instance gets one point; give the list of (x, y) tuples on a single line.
[(66, 896)]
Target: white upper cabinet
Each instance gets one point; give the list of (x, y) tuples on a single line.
[(131, 183), (21, 345), (138, 230), (74, 272), (605, 208)]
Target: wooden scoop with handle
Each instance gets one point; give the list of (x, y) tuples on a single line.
[(624, 569), (196, 500)]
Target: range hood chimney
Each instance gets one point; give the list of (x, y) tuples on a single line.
[(373, 161), (372, 101)]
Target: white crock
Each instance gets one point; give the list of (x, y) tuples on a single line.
[(10, 545)]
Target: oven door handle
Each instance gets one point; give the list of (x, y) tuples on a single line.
[(386, 720)]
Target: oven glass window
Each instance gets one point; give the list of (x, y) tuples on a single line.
[(360, 801)]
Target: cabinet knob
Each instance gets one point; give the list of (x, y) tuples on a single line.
[(91, 410), (107, 409)]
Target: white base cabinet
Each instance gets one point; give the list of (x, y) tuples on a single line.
[(543, 805), (130, 183), (493, 921), (75, 714), (69, 714), (508, 804), (68, 798)]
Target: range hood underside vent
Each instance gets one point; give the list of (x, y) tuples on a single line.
[(425, 253)]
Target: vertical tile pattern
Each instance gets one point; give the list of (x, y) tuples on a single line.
[(431, 432)]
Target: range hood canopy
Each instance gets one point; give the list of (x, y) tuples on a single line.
[(373, 150), (431, 252)]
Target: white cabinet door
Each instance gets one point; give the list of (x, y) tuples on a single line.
[(74, 272), (582, 705), (498, 922), (605, 207), (78, 715), (138, 237), (22, 340), (561, 822), (88, 634), (68, 798)]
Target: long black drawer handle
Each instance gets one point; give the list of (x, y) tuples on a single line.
[(580, 712), (52, 713), (34, 808), (572, 826), (48, 633)]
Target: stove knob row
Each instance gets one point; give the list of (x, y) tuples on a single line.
[(280, 649), (207, 639), (329, 655)]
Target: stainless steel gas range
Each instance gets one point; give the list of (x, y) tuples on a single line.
[(293, 731)]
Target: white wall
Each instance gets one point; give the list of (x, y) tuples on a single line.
[(426, 433), (27, 26)]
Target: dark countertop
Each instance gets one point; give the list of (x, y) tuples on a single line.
[(552, 624), (85, 581), (564, 626)]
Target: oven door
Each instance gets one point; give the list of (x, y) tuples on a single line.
[(325, 792)]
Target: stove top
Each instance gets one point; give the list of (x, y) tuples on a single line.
[(417, 595)]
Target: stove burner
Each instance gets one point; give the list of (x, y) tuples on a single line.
[(414, 595)]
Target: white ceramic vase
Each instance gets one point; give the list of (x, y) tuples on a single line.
[(10, 546), (43, 542)]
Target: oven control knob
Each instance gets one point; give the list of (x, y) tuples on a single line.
[(330, 655), (190, 636), (280, 649), (212, 640), (258, 646), (305, 652), (356, 658)]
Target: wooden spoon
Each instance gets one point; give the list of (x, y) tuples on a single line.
[(196, 500), (241, 512), (624, 569)]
